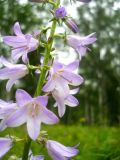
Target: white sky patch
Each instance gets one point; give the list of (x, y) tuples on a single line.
[(116, 5), (22, 1)]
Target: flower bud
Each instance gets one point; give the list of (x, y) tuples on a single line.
[(72, 25), (60, 12)]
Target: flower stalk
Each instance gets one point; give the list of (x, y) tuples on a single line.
[(42, 78), (47, 56)]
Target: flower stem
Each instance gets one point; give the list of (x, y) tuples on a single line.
[(42, 77), (47, 55), (46, 59), (26, 148)]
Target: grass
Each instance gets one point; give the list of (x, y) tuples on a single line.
[(96, 143)]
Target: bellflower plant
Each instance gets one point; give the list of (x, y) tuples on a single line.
[(22, 44), (56, 81)]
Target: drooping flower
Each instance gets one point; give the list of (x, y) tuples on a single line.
[(80, 43), (12, 72), (6, 109), (60, 77), (5, 145), (85, 1), (22, 43), (33, 111), (60, 12), (62, 100), (60, 152), (71, 24)]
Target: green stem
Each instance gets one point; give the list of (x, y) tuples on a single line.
[(46, 59), (42, 77), (26, 148)]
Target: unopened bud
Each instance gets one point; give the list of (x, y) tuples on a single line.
[(72, 25), (60, 12)]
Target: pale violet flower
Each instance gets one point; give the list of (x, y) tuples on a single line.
[(5, 145), (21, 44), (60, 77), (80, 43), (12, 72), (6, 109), (32, 111), (58, 151), (61, 74)]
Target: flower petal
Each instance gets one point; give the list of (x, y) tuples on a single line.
[(17, 29), (25, 58), (91, 38), (72, 66), (60, 103), (9, 84), (15, 41), (82, 51), (74, 91), (5, 73), (72, 78), (71, 101), (17, 118), (49, 86), (3, 125), (33, 126), (5, 62), (42, 100), (22, 97), (61, 85), (5, 145), (18, 52), (37, 158), (48, 117), (55, 155), (57, 66)]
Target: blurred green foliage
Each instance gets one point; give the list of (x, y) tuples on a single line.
[(95, 143)]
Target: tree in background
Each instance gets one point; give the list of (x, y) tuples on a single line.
[(100, 100)]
